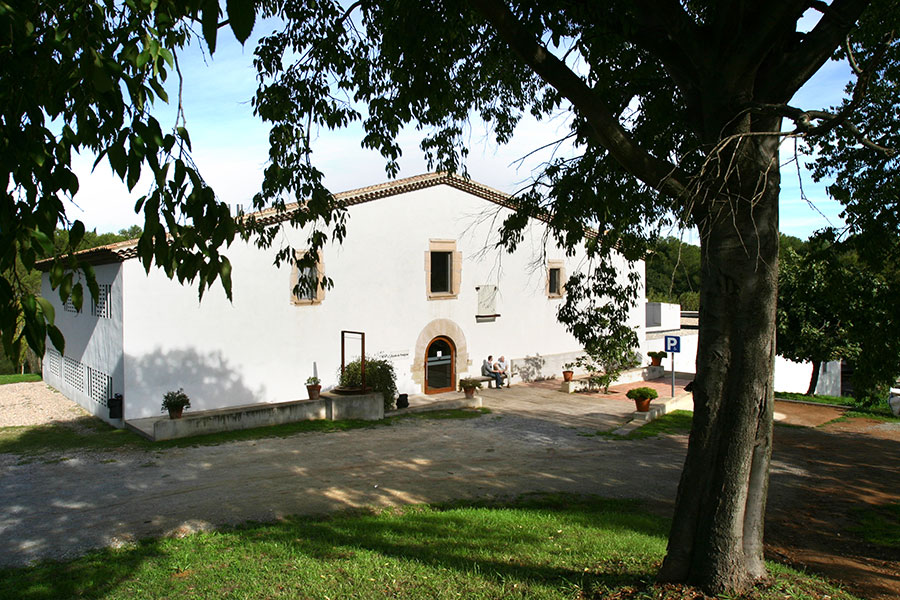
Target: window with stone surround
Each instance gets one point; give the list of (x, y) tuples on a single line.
[(306, 284), (443, 270), (555, 276)]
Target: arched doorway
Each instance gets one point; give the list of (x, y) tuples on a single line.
[(440, 366)]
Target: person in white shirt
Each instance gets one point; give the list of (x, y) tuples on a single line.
[(502, 367)]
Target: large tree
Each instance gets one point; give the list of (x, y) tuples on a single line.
[(676, 112)]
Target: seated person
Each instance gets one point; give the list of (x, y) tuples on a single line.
[(502, 367), (488, 370)]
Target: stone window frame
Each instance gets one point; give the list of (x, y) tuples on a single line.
[(455, 269), (556, 264), (295, 273)]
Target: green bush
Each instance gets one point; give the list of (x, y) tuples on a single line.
[(380, 377), (642, 393)]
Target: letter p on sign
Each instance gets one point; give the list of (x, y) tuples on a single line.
[(673, 343)]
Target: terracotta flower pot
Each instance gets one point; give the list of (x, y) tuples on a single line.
[(567, 375), (642, 405), (655, 361), (469, 391), (175, 413), (313, 391)]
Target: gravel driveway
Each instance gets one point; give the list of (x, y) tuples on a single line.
[(61, 506)]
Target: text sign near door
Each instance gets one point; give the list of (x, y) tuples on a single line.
[(673, 343)]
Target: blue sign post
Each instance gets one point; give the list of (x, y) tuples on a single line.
[(673, 345)]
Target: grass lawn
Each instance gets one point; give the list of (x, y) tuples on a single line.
[(677, 422), (19, 378), (90, 433), (539, 547), (881, 411)]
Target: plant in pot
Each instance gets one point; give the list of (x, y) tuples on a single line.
[(313, 387), (469, 386), (656, 357), (175, 403), (642, 397), (567, 371)]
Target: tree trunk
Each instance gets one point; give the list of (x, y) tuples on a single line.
[(814, 379), (716, 541)]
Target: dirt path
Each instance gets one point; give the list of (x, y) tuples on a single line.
[(810, 520), (533, 441)]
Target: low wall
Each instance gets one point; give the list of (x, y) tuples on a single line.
[(333, 407)]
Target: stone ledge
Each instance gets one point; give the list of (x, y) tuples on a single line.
[(455, 403), (333, 407), (630, 376)]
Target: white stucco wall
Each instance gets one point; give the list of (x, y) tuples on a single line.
[(662, 316), (261, 347), (93, 348)]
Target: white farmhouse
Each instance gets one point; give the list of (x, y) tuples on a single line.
[(417, 273)]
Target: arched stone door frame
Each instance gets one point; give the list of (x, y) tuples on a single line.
[(443, 382), (439, 328)]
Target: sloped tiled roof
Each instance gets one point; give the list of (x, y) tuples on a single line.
[(400, 186), (121, 251)]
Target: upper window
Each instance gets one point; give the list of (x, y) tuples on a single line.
[(555, 276), (306, 284), (443, 269)]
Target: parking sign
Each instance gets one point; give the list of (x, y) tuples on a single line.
[(673, 343)]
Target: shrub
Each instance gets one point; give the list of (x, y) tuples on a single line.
[(657, 354), (313, 381), (175, 400), (469, 383), (642, 393), (380, 377)]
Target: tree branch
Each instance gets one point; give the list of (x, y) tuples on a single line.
[(658, 174), (798, 65)]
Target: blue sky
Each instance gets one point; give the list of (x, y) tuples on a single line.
[(230, 146)]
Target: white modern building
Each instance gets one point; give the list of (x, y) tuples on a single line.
[(417, 272), (666, 320)]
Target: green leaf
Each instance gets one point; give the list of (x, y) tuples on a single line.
[(210, 23), (242, 16), (76, 234), (47, 309), (56, 337), (78, 296)]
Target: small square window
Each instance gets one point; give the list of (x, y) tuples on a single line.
[(556, 274), (306, 283), (555, 287)]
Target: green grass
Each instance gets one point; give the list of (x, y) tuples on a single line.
[(817, 398), (675, 422), (880, 525), (546, 547), (19, 378), (89, 433), (880, 412)]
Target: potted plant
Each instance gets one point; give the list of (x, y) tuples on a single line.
[(656, 357), (313, 387), (469, 386), (642, 397), (175, 403), (567, 371)]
